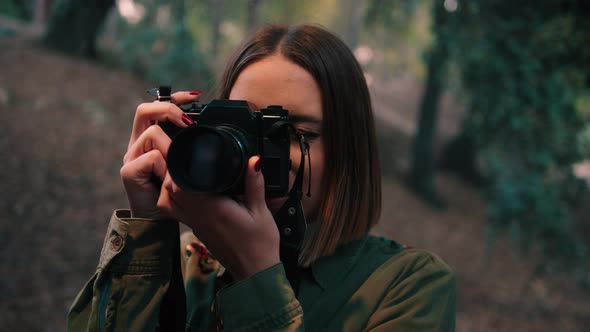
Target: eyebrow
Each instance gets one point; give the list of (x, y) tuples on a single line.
[(304, 118)]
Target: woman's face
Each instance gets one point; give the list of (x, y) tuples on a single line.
[(277, 81)]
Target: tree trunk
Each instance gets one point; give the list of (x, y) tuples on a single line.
[(40, 11), (217, 8), (74, 26), (422, 168), (460, 156), (253, 19), (355, 12)]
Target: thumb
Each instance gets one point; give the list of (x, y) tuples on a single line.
[(254, 185)]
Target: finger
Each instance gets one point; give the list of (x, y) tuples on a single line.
[(192, 263), (198, 265), (204, 202), (172, 198), (141, 169), (185, 97), (147, 113), (207, 261), (254, 185), (166, 204), (170, 186), (198, 249), (191, 251), (153, 138)]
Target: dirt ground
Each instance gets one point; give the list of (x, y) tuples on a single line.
[(65, 125)]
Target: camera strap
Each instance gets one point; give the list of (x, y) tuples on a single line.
[(290, 219), (172, 315)]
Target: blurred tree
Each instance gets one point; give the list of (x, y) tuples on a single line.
[(253, 20), (217, 10), (524, 67), (351, 20), (396, 16), (20, 9), (395, 32), (41, 11), (459, 155), (180, 61), (157, 43), (422, 167), (74, 26)]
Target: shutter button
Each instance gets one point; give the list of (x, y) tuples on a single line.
[(116, 243)]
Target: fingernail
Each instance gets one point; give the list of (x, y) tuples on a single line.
[(203, 252), (257, 165), (195, 92), (187, 119), (200, 250)]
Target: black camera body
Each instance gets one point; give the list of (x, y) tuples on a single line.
[(212, 155)]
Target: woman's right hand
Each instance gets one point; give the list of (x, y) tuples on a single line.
[(144, 164)]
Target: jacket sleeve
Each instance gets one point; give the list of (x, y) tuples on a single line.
[(421, 298), (132, 278), (263, 302)]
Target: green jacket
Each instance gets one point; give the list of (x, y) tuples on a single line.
[(372, 284)]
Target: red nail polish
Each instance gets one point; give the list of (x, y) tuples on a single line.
[(200, 250), (204, 253), (195, 92), (187, 119), (257, 165)]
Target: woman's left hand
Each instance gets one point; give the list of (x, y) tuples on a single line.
[(243, 236)]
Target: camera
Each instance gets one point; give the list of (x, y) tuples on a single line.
[(212, 155)]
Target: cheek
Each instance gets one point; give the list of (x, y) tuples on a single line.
[(316, 153), (295, 156), (312, 204), (317, 165)]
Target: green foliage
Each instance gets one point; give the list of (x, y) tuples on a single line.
[(398, 32), (74, 26), (22, 10), (162, 48), (184, 42), (393, 14), (181, 64), (525, 69), (584, 142)]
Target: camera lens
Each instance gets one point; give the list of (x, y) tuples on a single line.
[(204, 159)]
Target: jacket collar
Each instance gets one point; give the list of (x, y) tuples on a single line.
[(330, 269)]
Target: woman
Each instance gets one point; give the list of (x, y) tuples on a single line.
[(345, 280)]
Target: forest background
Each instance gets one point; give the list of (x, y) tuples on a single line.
[(482, 107)]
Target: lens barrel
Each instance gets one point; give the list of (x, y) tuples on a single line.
[(207, 159)]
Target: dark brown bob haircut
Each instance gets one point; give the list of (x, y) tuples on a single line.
[(352, 177)]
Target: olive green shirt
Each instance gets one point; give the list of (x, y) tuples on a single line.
[(372, 284)]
